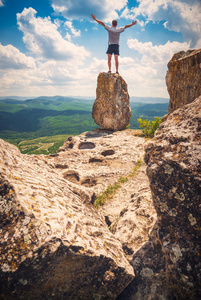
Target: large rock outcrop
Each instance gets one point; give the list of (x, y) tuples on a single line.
[(183, 78), (174, 170), (111, 109), (52, 245), (168, 266)]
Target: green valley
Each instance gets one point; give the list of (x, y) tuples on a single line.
[(41, 125)]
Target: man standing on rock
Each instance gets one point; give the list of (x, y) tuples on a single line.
[(114, 34)]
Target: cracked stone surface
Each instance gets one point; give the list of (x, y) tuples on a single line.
[(50, 237)]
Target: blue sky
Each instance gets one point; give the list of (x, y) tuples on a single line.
[(53, 47)]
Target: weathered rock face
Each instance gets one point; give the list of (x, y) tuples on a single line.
[(53, 246), (168, 266), (150, 269), (111, 109), (174, 170), (183, 78)]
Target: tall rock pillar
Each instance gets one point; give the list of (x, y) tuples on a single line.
[(183, 78), (111, 109)]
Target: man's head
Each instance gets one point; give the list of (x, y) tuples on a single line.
[(114, 23)]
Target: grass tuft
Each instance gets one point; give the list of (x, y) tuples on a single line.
[(112, 189)]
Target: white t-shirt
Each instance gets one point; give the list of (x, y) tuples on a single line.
[(114, 34)]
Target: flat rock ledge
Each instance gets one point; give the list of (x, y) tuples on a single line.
[(52, 245)]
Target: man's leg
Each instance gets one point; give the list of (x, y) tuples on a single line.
[(116, 62), (109, 61)]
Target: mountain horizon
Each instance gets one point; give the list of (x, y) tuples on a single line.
[(132, 98)]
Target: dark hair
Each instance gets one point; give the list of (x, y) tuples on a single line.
[(114, 23)]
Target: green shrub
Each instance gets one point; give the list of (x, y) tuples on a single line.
[(149, 127)]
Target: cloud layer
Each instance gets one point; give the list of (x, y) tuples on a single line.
[(12, 58), (56, 64), (44, 41), (147, 75), (76, 9), (178, 15)]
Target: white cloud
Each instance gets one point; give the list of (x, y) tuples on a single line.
[(52, 78), (103, 9), (56, 66), (146, 76), (180, 16), (58, 23), (142, 80), (12, 58), (1, 3), (59, 64), (75, 33), (68, 37), (44, 41), (158, 53)]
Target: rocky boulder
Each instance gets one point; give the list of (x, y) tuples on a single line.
[(183, 78), (111, 109), (174, 170), (52, 245)]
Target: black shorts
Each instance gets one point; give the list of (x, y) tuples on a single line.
[(113, 49)]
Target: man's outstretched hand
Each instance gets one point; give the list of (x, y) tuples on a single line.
[(129, 25), (93, 17), (98, 21)]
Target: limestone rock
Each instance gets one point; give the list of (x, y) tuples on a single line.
[(174, 170), (98, 158), (183, 78), (53, 246), (111, 109)]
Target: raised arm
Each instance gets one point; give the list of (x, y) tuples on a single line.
[(129, 25), (98, 21)]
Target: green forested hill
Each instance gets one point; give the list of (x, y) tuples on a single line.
[(52, 116), (44, 116)]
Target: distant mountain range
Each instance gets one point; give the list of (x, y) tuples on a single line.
[(73, 99), (58, 115), (149, 100)]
